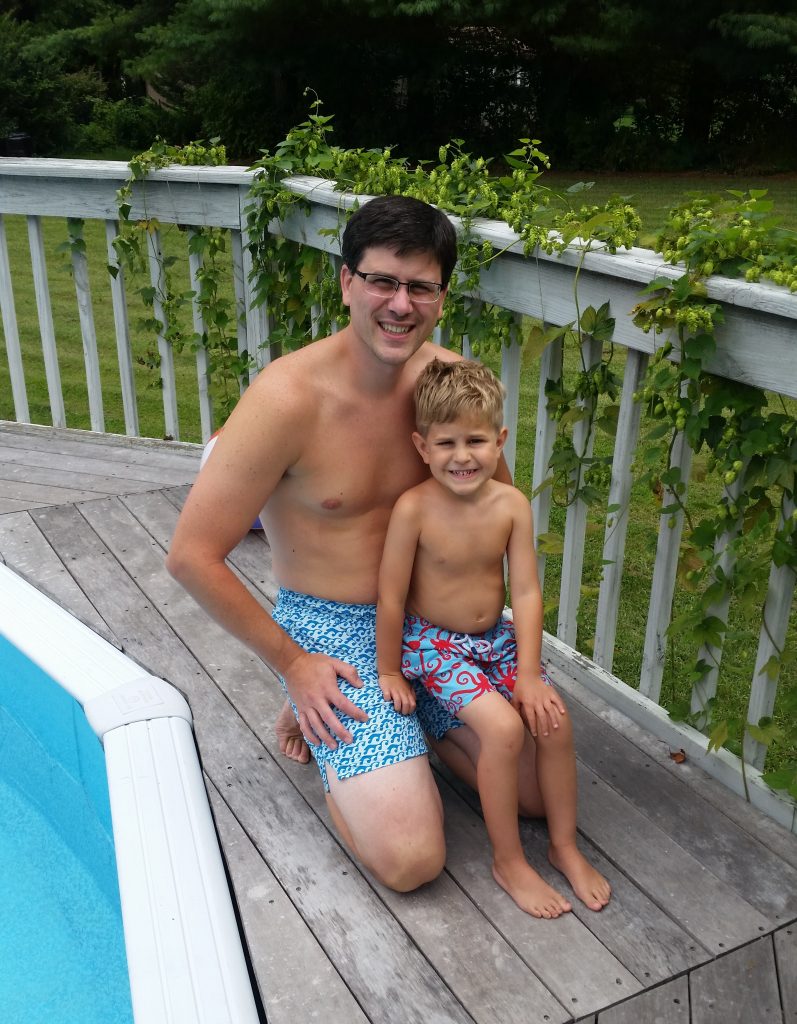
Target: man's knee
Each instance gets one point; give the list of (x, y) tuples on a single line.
[(408, 862)]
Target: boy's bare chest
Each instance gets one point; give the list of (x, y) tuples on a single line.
[(468, 542)]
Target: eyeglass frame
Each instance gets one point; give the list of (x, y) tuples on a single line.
[(407, 284)]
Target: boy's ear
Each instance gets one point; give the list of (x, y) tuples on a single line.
[(503, 434), (420, 443)]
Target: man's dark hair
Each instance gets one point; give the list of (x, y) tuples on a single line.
[(404, 225)]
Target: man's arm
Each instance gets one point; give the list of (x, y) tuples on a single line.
[(539, 705), (257, 446), (395, 573)]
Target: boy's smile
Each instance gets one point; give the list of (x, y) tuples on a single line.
[(462, 455)]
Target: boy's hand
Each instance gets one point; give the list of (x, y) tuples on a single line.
[(395, 688), (539, 705)]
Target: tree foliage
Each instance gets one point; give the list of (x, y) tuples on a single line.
[(689, 84)]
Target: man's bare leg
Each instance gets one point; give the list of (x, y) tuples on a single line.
[(289, 736), (392, 821)]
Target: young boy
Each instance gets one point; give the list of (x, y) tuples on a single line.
[(440, 622)]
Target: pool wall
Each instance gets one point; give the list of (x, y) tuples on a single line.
[(184, 952)]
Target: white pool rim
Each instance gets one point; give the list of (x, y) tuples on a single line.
[(184, 953)]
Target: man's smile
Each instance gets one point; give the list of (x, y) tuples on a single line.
[(398, 329)]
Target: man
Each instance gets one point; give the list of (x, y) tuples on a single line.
[(321, 443)]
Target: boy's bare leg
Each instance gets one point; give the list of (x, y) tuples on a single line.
[(392, 820), (289, 736), (546, 778), (556, 779), (501, 735)]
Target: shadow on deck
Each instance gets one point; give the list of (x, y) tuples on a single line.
[(702, 926)]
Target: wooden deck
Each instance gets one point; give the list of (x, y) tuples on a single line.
[(703, 924)]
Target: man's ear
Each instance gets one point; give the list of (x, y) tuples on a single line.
[(346, 277), (420, 443)]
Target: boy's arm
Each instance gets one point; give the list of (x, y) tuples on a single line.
[(395, 574), (539, 704)]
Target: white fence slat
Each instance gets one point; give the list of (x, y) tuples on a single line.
[(510, 378), (628, 422), (124, 350), (205, 406), (545, 436), (45, 313), (168, 380), (474, 308), (258, 322), (11, 333), (576, 520), (88, 334), (664, 574), (706, 687), (241, 292), (772, 640), (442, 336)]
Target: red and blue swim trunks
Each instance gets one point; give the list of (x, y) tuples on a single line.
[(456, 668)]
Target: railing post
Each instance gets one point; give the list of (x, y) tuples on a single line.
[(46, 329), (616, 531), (576, 520), (11, 332), (771, 642), (168, 382), (550, 370)]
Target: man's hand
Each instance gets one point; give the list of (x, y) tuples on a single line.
[(312, 682), (395, 688), (539, 705)]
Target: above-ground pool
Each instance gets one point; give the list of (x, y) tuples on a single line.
[(62, 954), (102, 807)]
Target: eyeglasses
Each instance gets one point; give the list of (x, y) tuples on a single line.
[(386, 287)]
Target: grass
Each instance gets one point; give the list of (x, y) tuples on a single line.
[(652, 194)]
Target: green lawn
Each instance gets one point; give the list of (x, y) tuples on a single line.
[(652, 194)]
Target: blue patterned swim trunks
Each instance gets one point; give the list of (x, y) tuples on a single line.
[(348, 632)]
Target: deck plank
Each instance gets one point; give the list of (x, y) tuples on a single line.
[(704, 831), (297, 980), (392, 982), (786, 962), (742, 986), (667, 1004), (245, 680), (24, 549), (102, 468), (743, 815), (693, 870), (644, 939), (704, 906)]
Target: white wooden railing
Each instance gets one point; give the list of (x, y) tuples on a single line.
[(757, 345)]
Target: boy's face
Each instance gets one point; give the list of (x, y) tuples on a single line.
[(462, 455), (393, 328)]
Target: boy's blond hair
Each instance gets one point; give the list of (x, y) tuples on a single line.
[(445, 392)]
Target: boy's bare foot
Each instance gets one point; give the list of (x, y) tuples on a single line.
[(529, 891), (289, 736), (588, 884)]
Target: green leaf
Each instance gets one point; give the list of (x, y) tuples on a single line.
[(718, 736), (550, 543)]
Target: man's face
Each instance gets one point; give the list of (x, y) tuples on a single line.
[(393, 328)]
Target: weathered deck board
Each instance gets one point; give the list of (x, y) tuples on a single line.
[(742, 986), (692, 880)]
